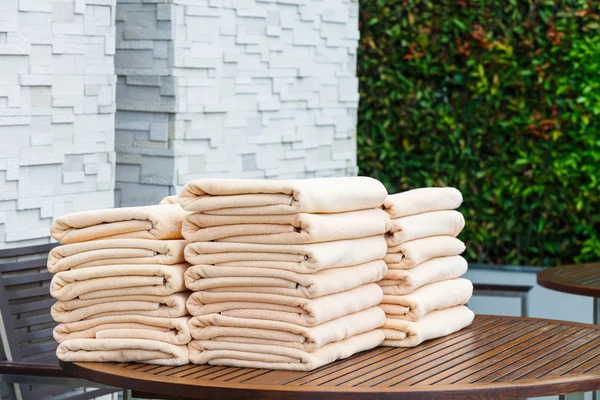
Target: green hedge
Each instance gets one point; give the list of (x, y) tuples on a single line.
[(500, 99)]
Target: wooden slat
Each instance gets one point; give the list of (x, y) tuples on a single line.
[(385, 359), (35, 320), (21, 251), (560, 356), (36, 335), (576, 363), (37, 349), (23, 265), (26, 293), (535, 360), (507, 357), (423, 359), (32, 306), (28, 278)]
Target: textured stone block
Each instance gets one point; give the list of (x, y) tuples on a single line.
[(52, 53), (254, 89)]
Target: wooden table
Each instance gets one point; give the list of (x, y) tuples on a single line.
[(494, 358), (582, 279)]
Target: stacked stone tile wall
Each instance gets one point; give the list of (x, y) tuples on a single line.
[(233, 88), (57, 103)]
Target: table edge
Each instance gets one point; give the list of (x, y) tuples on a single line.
[(529, 388), (546, 279), (525, 388)]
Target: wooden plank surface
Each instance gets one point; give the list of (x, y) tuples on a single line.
[(494, 358), (582, 279)]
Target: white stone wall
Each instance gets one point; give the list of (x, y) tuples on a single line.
[(57, 88), (237, 88)]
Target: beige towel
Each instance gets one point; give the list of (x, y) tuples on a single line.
[(168, 330), (122, 350), (260, 356), (422, 200), (436, 324), (266, 280), (119, 280), (295, 310), (435, 296), (438, 223), (402, 281), (154, 306), (302, 258), (149, 222), (285, 229), (263, 197), (410, 254), (115, 251), (255, 331), (170, 200)]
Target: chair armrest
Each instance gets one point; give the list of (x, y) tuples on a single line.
[(32, 369)]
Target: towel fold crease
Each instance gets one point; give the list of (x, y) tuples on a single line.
[(423, 200), (115, 251), (402, 281), (245, 355), (399, 333), (410, 254), (118, 280), (171, 306), (255, 331), (266, 280), (295, 310), (264, 197), (122, 350), (161, 222), (168, 330), (300, 258), (428, 298), (285, 229)]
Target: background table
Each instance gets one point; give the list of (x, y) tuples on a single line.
[(582, 279), (495, 357)]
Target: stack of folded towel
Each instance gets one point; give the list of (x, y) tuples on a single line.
[(424, 296), (119, 282), (284, 272)]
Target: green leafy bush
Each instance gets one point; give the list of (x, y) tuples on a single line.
[(500, 99)]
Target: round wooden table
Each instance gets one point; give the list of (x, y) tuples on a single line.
[(494, 358), (582, 279)]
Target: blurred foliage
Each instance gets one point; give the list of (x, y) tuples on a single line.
[(500, 99)]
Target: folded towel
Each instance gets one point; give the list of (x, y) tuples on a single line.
[(285, 229), (410, 254), (428, 298), (154, 306), (422, 200), (122, 350), (115, 251), (436, 324), (260, 356), (119, 280), (168, 330), (267, 280), (255, 331), (295, 310), (402, 281), (170, 200), (262, 197), (438, 223), (301, 258), (149, 222)]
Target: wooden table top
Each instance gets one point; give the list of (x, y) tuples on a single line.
[(495, 357), (583, 279)]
